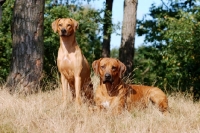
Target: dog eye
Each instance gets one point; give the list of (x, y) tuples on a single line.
[(102, 67), (60, 25), (114, 68), (69, 25)]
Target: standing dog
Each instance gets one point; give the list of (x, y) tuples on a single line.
[(72, 65), (112, 93)]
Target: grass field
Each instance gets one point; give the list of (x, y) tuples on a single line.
[(44, 113)]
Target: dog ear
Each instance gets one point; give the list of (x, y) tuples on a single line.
[(75, 24), (95, 66), (122, 69), (54, 25)]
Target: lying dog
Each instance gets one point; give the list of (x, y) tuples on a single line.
[(73, 66), (112, 93)]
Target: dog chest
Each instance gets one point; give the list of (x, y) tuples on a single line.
[(105, 104), (65, 65), (66, 68)]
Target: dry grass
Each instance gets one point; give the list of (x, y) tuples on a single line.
[(44, 113)]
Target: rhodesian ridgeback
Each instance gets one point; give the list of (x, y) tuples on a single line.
[(112, 93), (72, 65)]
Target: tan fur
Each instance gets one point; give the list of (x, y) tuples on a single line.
[(73, 66), (113, 94)]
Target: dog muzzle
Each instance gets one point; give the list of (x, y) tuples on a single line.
[(107, 78)]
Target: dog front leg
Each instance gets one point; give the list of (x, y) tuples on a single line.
[(77, 90), (65, 87)]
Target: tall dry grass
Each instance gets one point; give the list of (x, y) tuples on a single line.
[(44, 113)]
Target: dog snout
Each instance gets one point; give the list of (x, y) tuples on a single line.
[(107, 78), (63, 31)]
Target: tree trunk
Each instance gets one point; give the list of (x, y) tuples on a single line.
[(27, 53), (107, 29), (126, 51)]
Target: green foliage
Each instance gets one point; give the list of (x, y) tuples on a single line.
[(5, 39), (114, 53), (144, 65), (88, 35), (184, 48), (174, 34)]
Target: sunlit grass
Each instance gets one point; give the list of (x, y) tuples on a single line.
[(44, 113)]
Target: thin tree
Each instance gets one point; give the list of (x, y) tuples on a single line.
[(126, 51), (27, 47), (107, 29)]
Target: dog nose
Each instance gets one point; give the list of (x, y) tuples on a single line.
[(107, 76), (63, 30)]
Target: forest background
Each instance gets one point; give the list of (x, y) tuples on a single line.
[(170, 61)]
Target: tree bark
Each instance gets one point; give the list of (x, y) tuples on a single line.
[(27, 53), (126, 51), (107, 29)]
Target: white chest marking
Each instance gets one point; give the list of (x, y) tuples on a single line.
[(65, 58), (106, 104)]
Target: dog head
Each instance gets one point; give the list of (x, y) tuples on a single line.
[(65, 26), (109, 69)]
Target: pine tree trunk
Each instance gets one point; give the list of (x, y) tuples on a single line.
[(27, 53), (107, 29), (126, 51)]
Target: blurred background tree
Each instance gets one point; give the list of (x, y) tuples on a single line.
[(126, 50), (107, 28), (26, 65), (173, 32)]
